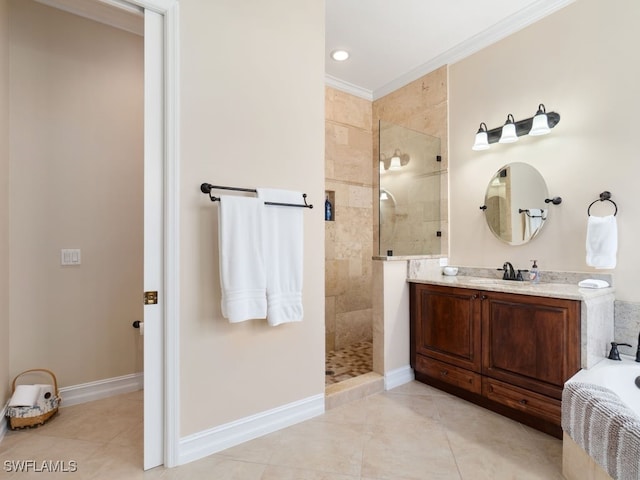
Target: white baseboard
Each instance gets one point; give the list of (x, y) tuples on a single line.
[(88, 392), (208, 442), (398, 377)]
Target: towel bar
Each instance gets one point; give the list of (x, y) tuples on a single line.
[(207, 187)]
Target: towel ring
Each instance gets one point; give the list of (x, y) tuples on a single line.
[(604, 196)]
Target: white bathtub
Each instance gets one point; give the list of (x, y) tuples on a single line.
[(602, 441), (618, 376)]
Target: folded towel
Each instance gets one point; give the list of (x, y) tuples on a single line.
[(242, 266), (283, 239), (602, 241)]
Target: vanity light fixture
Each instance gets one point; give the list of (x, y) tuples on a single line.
[(482, 139), (509, 131), (398, 160), (540, 124), (340, 55), (395, 164)]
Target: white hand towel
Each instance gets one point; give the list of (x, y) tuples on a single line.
[(283, 255), (242, 267), (602, 241)]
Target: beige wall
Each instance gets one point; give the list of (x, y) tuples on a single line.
[(76, 182), (252, 114), (4, 202), (348, 176), (421, 106), (581, 63)]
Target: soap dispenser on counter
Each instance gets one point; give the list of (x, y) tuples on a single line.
[(534, 273)]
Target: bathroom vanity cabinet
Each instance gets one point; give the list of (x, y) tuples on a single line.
[(508, 352)]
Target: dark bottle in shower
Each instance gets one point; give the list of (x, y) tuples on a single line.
[(328, 210)]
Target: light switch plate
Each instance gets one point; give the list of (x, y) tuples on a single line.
[(70, 256)]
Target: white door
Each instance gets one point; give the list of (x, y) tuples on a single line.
[(153, 241)]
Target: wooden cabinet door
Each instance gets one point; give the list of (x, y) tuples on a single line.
[(533, 342), (446, 325)]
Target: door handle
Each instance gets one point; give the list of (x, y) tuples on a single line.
[(140, 325)]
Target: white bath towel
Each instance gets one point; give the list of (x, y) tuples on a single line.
[(283, 255), (242, 262), (602, 241)]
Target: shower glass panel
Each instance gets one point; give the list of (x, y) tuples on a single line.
[(410, 183)]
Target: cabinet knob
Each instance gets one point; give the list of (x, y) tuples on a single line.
[(443, 373), (483, 297), (523, 402), (474, 296)]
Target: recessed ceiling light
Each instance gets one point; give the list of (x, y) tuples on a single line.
[(339, 55)]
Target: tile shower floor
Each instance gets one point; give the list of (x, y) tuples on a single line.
[(413, 432), (349, 362)]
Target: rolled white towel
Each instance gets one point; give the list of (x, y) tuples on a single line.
[(25, 396)]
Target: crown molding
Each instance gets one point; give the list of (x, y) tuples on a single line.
[(512, 24), (347, 87)]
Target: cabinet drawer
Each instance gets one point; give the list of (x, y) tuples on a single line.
[(448, 373), (520, 399)]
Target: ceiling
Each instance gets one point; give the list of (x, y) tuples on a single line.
[(393, 42)]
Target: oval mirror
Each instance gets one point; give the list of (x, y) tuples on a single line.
[(515, 203)]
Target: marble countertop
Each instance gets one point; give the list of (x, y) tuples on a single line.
[(542, 289)]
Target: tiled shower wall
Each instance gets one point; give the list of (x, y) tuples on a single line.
[(348, 238), (351, 181)]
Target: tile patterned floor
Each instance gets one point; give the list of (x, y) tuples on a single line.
[(349, 362), (413, 432)]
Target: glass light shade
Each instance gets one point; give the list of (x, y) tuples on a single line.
[(395, 163), (482, 141), (382, 167), (508, 133), (540, 125), (383, 195)]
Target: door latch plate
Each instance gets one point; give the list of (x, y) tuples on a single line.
[(150, 298)]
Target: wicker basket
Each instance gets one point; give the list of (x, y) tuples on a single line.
[(23, 417)]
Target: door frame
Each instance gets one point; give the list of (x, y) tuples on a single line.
[(168, 48)]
